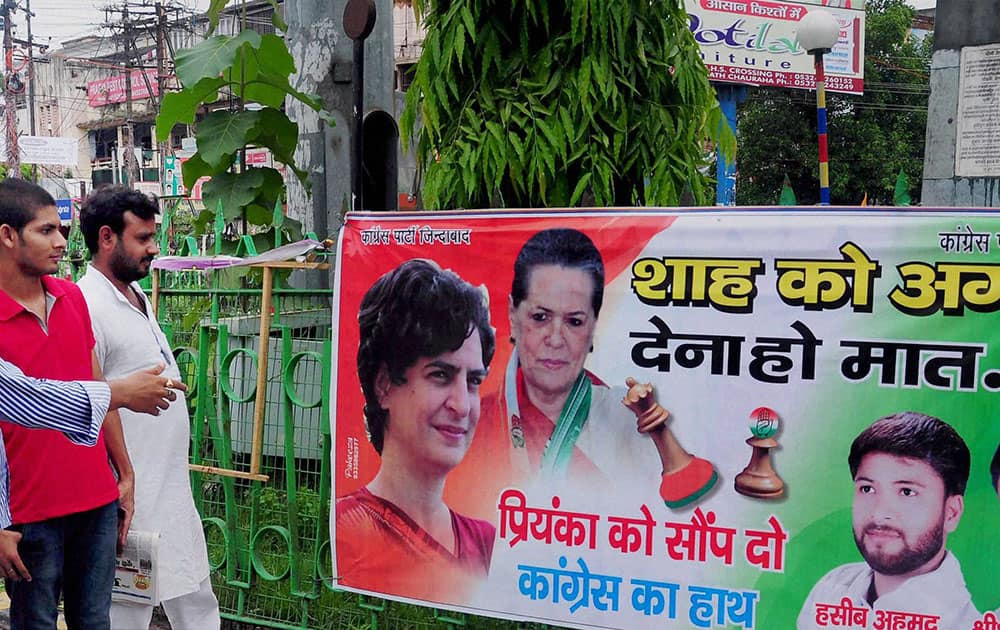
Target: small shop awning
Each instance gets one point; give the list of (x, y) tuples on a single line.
[(116, 121)]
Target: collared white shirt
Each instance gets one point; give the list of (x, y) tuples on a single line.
[(127, 340), (941, 592)]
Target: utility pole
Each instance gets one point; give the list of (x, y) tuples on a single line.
[(133, 26), (161, 38), (31, 80), (128, 140), (163, 148), (10, 97)]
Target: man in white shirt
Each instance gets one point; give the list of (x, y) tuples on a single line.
[(910, 471), (119, 228)]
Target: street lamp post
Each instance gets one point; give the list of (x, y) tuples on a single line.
[(818, 32)]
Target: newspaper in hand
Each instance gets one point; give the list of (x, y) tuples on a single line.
[(136, 569)]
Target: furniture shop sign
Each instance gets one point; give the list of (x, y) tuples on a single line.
[(754, 42)]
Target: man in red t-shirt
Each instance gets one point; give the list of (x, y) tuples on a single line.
[(65, 499)]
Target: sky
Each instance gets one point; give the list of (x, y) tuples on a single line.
[(67, 19)]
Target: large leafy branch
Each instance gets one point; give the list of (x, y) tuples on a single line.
[(254, 68), (535, 103)]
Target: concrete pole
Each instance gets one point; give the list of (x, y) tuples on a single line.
[(969, 25), (163, 149), (31, 81), (323, 56), (128, 132)]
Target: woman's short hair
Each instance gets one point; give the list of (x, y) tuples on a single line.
[(416, 310), (561, 247)]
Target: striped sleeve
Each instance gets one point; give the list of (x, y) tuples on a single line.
[(5, 518), (76, 409)]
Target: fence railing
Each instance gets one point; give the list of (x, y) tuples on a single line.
[(268, 535), (269, 540)]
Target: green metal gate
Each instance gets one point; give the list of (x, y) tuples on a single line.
[(268, 540)]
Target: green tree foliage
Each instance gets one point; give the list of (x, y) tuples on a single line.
[(871, 137), (26, 173), (536, 103), (255, 69)]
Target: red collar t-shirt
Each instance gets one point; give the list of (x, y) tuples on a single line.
[(49, 475)]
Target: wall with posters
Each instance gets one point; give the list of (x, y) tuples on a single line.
[(753, 42), (774, 338)]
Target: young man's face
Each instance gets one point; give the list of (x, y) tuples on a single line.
[(433, 415), (135, 249), (39, 246), (901, 514)]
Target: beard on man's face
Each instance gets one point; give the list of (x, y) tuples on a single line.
[(127, 269), (912, 555)]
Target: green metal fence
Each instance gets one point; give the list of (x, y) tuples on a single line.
[(269, 541)]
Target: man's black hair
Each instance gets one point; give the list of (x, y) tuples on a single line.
[(416, 310), (107, 206), (917, 436), (561, 247), (20, 201)]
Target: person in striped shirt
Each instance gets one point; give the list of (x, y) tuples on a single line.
[(77, 409)]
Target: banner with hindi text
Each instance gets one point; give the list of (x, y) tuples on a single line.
[(772, 337)]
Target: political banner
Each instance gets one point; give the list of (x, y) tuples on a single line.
[(697, 418)]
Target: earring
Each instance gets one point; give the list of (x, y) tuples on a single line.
[(591, 347), (513, 342)]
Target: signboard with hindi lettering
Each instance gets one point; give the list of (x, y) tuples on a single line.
[(53, 150), (754, 42), (142, 83), (700, 418), (977, 153)]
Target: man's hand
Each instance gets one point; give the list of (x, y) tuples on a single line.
[(145, 391), (10, 561), (126, 508)]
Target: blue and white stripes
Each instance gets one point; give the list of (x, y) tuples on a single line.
[(77, 409)]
